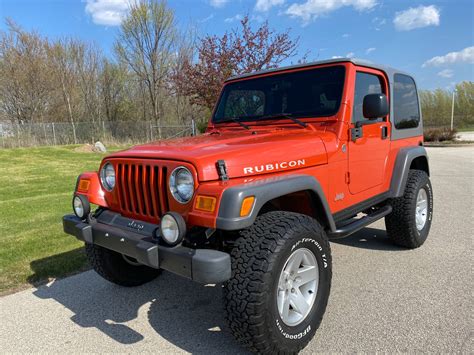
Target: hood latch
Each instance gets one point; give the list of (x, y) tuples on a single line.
[(222, 170)]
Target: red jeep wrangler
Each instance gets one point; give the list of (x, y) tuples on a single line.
[(291, 159)]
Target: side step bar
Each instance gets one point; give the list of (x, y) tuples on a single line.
[(358, 224)]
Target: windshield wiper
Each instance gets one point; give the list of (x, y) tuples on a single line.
[(285, 115), (234, 119)]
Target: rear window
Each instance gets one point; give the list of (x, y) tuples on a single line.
[(406, 111)]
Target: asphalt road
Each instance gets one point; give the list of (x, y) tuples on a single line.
[(383, 298)]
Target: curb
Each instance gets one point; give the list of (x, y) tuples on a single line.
[(449, 145)]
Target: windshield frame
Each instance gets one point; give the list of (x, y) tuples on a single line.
[(256, 119)]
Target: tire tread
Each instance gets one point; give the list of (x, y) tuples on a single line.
[(251, 259), (400, 222)]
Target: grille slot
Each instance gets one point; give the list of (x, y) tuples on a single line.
[(141, 189)]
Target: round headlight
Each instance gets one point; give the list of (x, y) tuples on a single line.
[(173, 228), (182, 184), (81, 206), (107, 176)]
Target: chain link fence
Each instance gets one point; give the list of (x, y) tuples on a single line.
[(119, 132)]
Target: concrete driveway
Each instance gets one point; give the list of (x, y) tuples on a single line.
[(466, 136), (383, 298)]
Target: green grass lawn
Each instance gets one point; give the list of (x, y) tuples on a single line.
[(36, 186)]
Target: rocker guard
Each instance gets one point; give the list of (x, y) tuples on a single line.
[(200, 265)]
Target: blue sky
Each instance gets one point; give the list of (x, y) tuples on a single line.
[(433, 40)]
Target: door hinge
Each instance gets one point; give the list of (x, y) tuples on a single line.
[(348, 178), (356, 133)]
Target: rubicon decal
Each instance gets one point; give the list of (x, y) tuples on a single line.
[(274, 167)]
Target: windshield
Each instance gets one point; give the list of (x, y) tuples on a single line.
[(306, 93)]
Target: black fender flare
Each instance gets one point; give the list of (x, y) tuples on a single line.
[(402, 166), (264, 190)]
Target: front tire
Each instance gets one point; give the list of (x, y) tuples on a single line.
[(410, 221), (281, 254), (117, 268)]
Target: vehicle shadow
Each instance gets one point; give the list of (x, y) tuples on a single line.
[(58, 265), (186, 314), (369, 238)]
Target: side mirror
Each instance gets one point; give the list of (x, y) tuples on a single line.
[(375, 106)]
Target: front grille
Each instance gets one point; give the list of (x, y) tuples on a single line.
[(141, 190)]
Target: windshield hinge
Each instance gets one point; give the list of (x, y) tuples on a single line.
[(222, 170)]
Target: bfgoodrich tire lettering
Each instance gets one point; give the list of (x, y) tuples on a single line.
[(401, 224), (251, 294)]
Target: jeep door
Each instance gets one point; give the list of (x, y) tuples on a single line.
[(369, 142)]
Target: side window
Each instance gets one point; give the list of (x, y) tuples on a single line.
[(406, 112), (365, 84)]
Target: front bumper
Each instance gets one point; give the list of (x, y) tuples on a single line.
[(112, 231)]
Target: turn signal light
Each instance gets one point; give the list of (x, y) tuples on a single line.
[(247, 205), (205, 203), (83, 185)]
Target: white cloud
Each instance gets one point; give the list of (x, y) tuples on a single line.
[(235, 18), (107, 12), (416, 17), (257, 18), (218, 3), (265, 5), (346, 35), (205, 19), (464, 56), (348, 55), (370, 50), (446, 73), (311, 9), (378, 23)]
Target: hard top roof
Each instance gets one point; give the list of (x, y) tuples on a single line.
[(388, 70)]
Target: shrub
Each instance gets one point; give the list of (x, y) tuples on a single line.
[(439, 134), (201, 126)]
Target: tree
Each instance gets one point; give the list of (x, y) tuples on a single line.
[(113, 81), (146, 43), (88, 58), (25, 84), (239, 51), (436, 106), (62, 56)]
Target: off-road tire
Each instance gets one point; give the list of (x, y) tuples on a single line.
[(258, 257), (113, 267), (401, 223)]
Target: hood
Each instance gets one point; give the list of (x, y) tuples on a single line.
[(246, 153)]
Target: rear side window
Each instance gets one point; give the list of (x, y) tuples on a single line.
[(406, 111), (365, 84)]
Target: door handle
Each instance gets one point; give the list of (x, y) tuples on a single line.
[(384, 132)]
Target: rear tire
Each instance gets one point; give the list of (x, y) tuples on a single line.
[(261, 276), (410, 221), (115, 268)]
